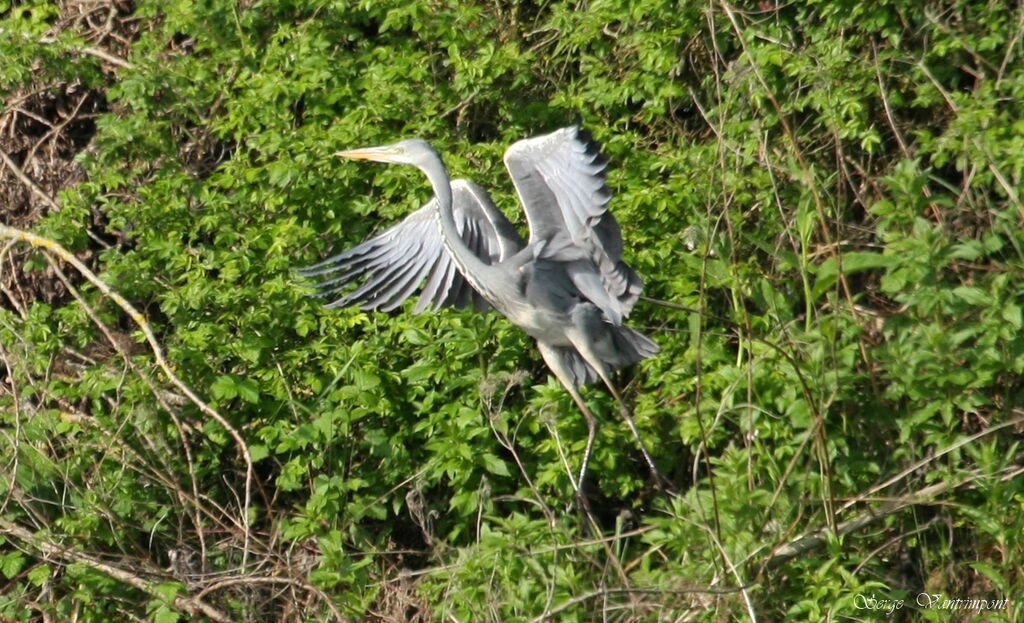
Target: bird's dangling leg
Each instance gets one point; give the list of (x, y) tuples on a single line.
[(557, 365), (586, 349), (592, 425), (663, 484)]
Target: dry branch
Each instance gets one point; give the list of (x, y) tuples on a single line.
[(819, 538), (62, 554), (161, 361)]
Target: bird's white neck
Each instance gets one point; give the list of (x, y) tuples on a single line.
[(475, 270)]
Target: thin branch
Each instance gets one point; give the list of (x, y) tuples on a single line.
[(27, 181), (52, 550), (161, 361), (919, 464), (92, 51), (818, 538), (39, 192), (156, 393), (607, 592), (458, 107), (255, 580)]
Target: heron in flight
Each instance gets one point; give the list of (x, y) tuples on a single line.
[(567, 286)]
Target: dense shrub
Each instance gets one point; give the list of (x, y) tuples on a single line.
[(823, 198)]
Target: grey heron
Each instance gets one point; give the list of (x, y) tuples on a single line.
[(567, 286)]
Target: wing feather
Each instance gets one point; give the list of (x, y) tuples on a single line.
[(560, 178), (386, 270)]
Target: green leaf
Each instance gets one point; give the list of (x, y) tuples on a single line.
[(167, 591), (993, 573), (258, 452), (248, 390), (224, 387), (972, 295), (11, 564), (420, 371), (415, 337), (365, 379), (165, 614), (494, 464), (1012, 313), (39, 574), (852, 263)]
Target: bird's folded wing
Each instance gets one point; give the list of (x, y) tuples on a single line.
[(560, 178), (410, 257)]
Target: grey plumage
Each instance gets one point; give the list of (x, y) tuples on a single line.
[(567, 285), (396, 262)]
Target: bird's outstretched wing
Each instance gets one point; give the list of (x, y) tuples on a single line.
[(560, 178), (384, 271)]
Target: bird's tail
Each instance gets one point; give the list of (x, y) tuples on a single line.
[(630, 346)]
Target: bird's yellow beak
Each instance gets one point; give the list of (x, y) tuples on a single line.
[(378, 154)]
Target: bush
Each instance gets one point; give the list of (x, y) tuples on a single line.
[(823, 199)]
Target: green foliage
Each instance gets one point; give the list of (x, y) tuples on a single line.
[(825, 193)]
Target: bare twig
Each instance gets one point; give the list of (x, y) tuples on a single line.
[(63, 554), (161, 361), (39, 192), (818, 538), (256, 580), (918, 465), (156, 393), (4, 256), (605, 593), (458, 107), (93, 51), (27, 181), (57, 128)]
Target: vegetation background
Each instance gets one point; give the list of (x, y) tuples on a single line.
[(824, 200)]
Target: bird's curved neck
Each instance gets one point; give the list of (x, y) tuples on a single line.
[(471, 266)]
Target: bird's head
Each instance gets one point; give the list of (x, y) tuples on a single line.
[(412, 151)]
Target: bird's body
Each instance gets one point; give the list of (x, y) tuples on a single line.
[(567, 286)]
